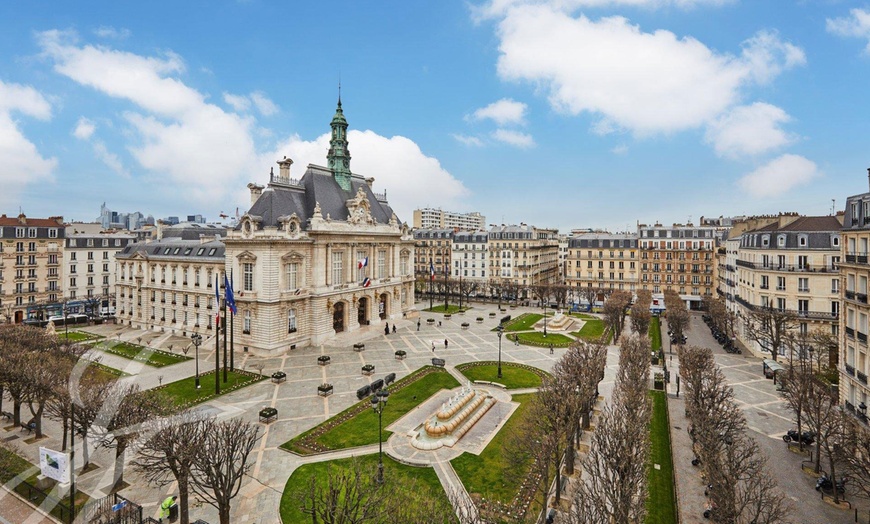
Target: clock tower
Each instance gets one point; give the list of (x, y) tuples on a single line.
[(339, 157)]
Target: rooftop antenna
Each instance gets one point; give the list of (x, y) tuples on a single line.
[(833, 206)]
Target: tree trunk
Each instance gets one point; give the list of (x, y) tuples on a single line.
[(183, 496), (118, 476), (224, 513), (16, 412), (86, 456), (65, 432), (37, 418)]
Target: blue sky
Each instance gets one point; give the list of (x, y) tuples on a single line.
[(559, 113)]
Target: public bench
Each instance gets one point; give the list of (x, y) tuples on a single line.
[(30, 426)]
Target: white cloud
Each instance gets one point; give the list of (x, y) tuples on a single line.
[(105, 31), (502, 112), (239, 103), (749, 130), (22, 162), (633, 80), (621, 149), (194, 147), (779, 176), (857, 24), (498, 8), (514, 138), (411, 178), (263, 104), (84, 129), (471, 141)]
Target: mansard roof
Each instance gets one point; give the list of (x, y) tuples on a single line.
[(316, 187)]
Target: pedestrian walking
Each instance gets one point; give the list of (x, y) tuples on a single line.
[(394, 328), (418, 324), (165, 505), (439, 323), (445, 343), (551, 349), (517, 340), (433, 347), (387, 328)]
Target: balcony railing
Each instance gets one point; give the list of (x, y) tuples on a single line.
[(856, 258), (862, 337), (850, 370), (786, 267), (862, 378), (850, 331), (815, 315)]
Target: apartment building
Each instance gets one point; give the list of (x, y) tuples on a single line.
[(791, 264), (468, 256), (432, 250), (89, 262), (855, 273), (524, 255), (430, 218), (679, 257), (603, 261), (31, 264)]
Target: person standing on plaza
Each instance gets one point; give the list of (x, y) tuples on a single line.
[(165, 505), (387, 328), (445, 343), (433, 346), (394, 328), (418, 324)]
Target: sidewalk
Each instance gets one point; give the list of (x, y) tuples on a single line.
[(13, 510)]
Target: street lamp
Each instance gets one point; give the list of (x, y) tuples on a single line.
[(811, 350), (197, 340), (499, 331), (379, 402), (544, 309)]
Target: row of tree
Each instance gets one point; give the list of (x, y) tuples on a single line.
[(52, 379), (741, 490)]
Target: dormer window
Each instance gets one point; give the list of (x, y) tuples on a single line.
[(765, 241), (802, 241), (780, 241), (835, 241)]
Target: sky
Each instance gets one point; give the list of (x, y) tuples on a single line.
[(556, 113)]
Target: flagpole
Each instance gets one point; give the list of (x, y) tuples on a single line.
[(431, 281), (224, 326), (232, 321), (446, 277), (217, 337)]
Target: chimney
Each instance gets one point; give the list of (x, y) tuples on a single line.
[(371, 180), (284, 167), (160, 226), (256, 191)]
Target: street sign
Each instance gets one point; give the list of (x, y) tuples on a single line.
[(119, 506)]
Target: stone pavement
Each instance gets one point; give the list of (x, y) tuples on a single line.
[(13, 510), (299, 406), (768, 418)]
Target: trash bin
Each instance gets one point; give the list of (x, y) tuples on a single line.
[(173, 513)]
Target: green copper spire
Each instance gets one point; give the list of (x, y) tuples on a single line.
[(339, 157)]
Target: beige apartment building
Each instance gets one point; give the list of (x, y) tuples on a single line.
[(89, 262), (603, 261), (31, 265), (791, 264), (679, 257), (524, 256), (855, 272), (432, 251), (431, 218), (468, 256)]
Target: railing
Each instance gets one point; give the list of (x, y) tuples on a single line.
[(856, 258), (862, 378), (818, 315), (850, 370), (786, 267), (850, 332), (862, 337)]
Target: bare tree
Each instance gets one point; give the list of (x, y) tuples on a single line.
[(496, 289), (222, 463), (589, 294), (168, 453), (769, 327), (856, 457), (640, 318), (822, 415), (467, 288), (559, 293), (90, 397), (614, 312)]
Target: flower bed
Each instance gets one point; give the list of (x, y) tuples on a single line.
[(368, 369), (447, 316), (492, 314), (401, 354), (324, 390), (323, 360)]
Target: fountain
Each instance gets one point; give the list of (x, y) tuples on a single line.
[(560, 322), (453, 419)]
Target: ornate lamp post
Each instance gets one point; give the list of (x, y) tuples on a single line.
[(811, 350), (197, 340), (379, 402), (544, 309), (499, 332)]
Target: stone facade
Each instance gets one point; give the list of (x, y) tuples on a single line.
[(678, 257), (603, 261), (524, 256), (89, 261), (855, 326)]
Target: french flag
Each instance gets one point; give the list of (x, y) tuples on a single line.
[(431, 270), (363, 262), (366, 282)]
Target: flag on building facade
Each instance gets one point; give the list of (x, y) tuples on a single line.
[(431, 270), (217, 300), (363, 262), (228, 293), (366, 282)]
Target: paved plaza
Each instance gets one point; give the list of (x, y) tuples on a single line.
[(301, 408)]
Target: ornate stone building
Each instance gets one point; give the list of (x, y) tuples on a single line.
[(603, 261), (317, 256)]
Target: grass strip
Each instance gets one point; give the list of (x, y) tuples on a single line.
[(514, 376), (661, 501), (538, 339), (655, 333), (450, 309), (153, 357), (524, 322), (593, 329), (184, 393)]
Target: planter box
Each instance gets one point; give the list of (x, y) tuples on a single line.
[(359, 347), (465, 325), (401, 354), (480, 320), (268, 415), (447, 316), (278, 377), (492, 314), (323, 360), (660, 386), (430, 320), (368, 369), (324, 390)]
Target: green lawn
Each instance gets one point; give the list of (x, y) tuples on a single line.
[(452, 308), (513, 376), (523, 322), (537, 338), (655, 334), (362, 429), (156, 358), (76, 336), (584, 316), (184, 393), (661, 505), (396, 476), (591, 330), (105, 372), (487, 474)]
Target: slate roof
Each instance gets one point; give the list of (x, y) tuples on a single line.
[(317, 185), (817, 232), (178, 249), (603, 240), (804, 224)]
